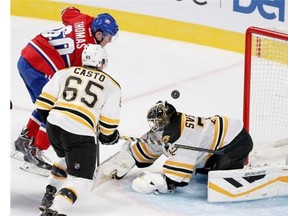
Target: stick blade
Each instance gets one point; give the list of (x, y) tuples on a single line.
[(99, 181)]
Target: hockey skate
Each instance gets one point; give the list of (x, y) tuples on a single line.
[(21, 145), (37, 157), (51, 212), (48, 198)]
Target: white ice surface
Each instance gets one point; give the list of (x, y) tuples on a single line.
[(210, 82)]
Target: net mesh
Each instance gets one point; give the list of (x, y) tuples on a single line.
[(269, 99)]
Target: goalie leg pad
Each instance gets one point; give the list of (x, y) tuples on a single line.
[(116, 166), (147, 183), (247, 184)]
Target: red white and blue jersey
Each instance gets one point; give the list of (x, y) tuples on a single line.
[(60, 48)]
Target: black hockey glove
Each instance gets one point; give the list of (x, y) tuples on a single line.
[(109, 140)]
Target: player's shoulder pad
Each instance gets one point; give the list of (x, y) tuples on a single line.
[(68, 14), (111, 79), (70, 8)]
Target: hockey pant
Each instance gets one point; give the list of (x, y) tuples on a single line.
[(236, 154)]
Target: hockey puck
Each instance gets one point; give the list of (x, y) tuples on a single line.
[(11, 105), (175, 94)]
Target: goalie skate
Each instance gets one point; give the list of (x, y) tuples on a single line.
[(150, 183)]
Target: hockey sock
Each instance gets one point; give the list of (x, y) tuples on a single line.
[(41, 139), (33, 124), (72, 189), (58, 174)]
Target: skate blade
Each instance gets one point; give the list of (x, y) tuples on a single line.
[(31, 168), (16, 155)]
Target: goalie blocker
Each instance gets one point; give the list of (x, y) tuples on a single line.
[(247, 184)]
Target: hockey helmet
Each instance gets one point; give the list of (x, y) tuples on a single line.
[(158, 116), (106, 24), (95, 56)]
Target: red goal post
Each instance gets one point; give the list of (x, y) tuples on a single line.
[(265, 105)]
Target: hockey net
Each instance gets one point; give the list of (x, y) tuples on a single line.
[(265, 111)]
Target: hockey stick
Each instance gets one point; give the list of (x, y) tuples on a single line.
[(97, 152), (159, 142), (97, 147)]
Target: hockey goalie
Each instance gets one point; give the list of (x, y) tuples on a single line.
[(227, 180)]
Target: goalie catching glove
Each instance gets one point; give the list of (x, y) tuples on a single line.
[(109, 140), (147, 183)]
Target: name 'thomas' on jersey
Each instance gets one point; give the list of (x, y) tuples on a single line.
[(79, 99), (60, 48)]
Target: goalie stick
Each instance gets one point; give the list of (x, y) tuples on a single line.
[(99, 182), (159, 142)]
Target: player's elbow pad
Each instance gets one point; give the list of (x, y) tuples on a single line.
[(109, 140)]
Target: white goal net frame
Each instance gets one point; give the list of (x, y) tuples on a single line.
[(265, 105)]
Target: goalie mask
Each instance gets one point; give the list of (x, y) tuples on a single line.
[(158, 116)]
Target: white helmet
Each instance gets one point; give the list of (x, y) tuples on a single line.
[(94, 55)]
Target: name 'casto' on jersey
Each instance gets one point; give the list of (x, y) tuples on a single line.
[(77, 105), (88, 73)]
